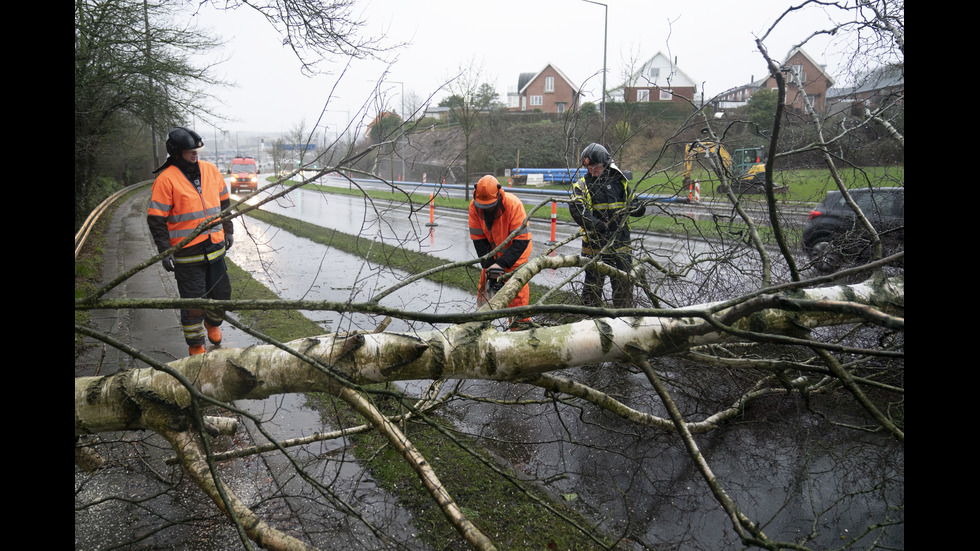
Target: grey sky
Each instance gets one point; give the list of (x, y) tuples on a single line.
[(713, 42)]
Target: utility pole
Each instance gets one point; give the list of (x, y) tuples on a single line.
[(605, 41)]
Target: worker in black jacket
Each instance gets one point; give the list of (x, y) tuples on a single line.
[(602, 202)]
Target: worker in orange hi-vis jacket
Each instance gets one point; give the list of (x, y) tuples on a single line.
[(494, 214), (186, 193)]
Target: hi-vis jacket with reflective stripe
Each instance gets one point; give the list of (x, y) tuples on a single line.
[(510, 217), (486, 237), (176, 200), (601, 206)]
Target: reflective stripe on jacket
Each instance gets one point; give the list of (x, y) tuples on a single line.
[(509, 217), (606, 199), (176, 199)]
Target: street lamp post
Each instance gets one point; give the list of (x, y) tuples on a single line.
[(403, 123), (402, 114), (605, 41)]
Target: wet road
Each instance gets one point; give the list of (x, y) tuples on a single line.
[(400, 224), (619, 473), (408, 226)]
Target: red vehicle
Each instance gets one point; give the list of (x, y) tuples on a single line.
[(244, 174)]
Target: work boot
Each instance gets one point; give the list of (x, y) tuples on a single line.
[(196, 349), (214, 333)]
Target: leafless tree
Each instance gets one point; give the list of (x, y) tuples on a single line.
[(466, 87), (745, 401)]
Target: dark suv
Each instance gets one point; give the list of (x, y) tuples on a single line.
[(832, 237)]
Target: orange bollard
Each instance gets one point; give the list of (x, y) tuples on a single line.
[(554, 221), (432, 212)]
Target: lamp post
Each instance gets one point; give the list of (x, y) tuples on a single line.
[(402, 113), (605, 40)]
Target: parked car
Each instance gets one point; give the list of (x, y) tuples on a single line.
[(832, 237)]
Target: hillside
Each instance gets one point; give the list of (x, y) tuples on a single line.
[(437, 147)]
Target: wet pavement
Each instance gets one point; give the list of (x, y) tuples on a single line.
[(178, 516), (632, 480)]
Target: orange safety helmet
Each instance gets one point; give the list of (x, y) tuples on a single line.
[(487, 192)]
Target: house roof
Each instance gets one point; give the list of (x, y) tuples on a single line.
[(523, 80), (821, 67), (522, 83), (676, 76), (884, 77)]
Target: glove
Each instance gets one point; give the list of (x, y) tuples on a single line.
[(168, 263), (229, 241), (598, 226)]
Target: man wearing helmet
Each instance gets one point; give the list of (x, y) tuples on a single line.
[(187, 192), (601, 204), (494, 215)]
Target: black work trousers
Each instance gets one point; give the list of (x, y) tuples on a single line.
[(206, 279), (622, 289)]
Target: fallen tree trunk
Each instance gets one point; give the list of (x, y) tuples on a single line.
[(327, 363)]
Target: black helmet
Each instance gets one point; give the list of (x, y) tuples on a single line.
[(595, 154), (182, 139)]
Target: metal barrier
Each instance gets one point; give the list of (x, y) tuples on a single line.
[(89, 223)]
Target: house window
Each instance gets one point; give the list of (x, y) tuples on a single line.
[(642, 95), (549, 84), (797, 71), (560, 106), (665, 95), (537, 100)]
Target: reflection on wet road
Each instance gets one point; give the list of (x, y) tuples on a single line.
[(402, 225)]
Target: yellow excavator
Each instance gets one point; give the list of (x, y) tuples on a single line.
[(746, 170)]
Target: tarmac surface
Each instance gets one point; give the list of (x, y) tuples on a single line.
[(105, 516), (156, 332), (140, 502)]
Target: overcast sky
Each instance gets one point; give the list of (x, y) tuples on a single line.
[(713, 42)]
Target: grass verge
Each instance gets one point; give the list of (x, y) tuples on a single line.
[(662, 220), (398, 258), (491, 494), (508, 510)]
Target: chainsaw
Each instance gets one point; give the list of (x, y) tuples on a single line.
[(495, 281)]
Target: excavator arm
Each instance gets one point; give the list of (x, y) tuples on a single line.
[(714, 153)]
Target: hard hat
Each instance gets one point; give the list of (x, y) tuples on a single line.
[(595, 154), (487, 192), (183, 139)]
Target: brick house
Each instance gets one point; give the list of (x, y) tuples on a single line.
[(658, 79), (816, 81), (548, 91), (877, 88), (738, 96)]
